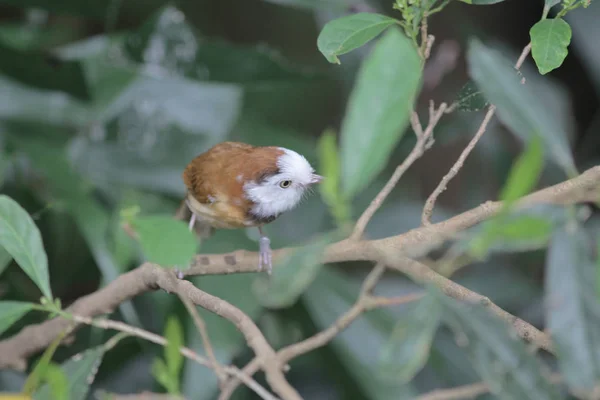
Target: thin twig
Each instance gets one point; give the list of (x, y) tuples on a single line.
[(201, 326), (424, 141), (364, 302), (185, 351), (431, 200)]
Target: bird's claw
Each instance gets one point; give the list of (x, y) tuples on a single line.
[(264, 255), (178, 273)]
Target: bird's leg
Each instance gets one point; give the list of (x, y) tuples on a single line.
[(192, 221), (264, 254)]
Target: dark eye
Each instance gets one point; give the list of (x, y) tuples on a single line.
[(285, 184)]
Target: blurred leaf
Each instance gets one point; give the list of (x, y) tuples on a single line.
[(44, 71), (517, 230), (58, 382), (358, 346), (524, 173), (19, 102), (174, 335), (347, 33), (91, 218), (379, 109), (573, 312), (501, 359), (160, 372), (481, 2), (5, 259), (550, 39), (470, 98), (516, 104), (317, 4), (11, 312), (80, 370), (165, 240), (329, 167), (294, 274), (21, 238), (37, 375), (407, 350), (551, 3)]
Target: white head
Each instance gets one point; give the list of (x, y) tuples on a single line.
[(282, 191)]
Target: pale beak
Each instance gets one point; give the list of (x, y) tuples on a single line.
[(315, 178)]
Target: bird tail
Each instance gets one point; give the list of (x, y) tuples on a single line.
[(201, 227)]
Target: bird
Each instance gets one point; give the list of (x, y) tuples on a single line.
[(236, 185)]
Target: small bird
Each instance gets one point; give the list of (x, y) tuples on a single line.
[(236, 185)]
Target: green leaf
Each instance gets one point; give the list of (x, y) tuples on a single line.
[(481, 2), (80, 371), (160, 372), (550, 39), (21, 238), (524, 173), (329, 167), (517, 106), (573, 311), (174, 335), (470, 98), (38, 373), (500, 358), (294, 274), (407, 350), (11, 312), (5, 259), (345, 34), (379, 109), (44, 71), (58, 382), (165, 240), (358, 346), (551, 3)]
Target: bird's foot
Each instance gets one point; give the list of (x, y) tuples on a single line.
[(192, 221), (178, 273), (264, 255)]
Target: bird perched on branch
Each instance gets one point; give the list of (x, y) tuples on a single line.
[(236, 185)]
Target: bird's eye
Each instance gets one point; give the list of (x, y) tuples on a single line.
[(285, 184)]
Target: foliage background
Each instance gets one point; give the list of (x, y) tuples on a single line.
[(152, 83)]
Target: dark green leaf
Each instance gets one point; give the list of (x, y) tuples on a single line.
[(345, 34), (517, 105), (501, 359), (329, 167), (80, 370), (165, 240), (407, 350), (21, 238), (174, 336), (573, 310), (358, 346), (470, 98), (481, 2), (524, 173), (45, 71), (5, 259), (11, 312), (379, 109), (294, 274), (549, 41)]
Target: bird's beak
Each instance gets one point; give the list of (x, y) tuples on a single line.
[(316, 178)]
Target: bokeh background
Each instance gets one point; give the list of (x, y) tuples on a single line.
[(103, 103)]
